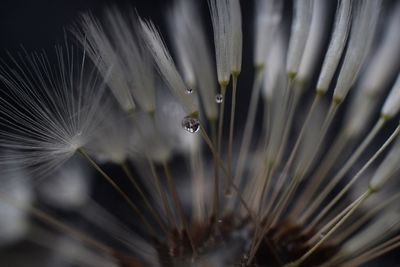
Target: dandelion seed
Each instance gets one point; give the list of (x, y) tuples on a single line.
[(121, 57), (298, 37), (336, 46), (194, 53), (49, 112), (362, 32), (166, 66), (268, 18)]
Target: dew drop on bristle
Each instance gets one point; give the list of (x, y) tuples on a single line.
[(219, 98), (189, 91), (191, 124)]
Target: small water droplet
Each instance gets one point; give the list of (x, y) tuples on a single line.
[(219, 98), (321, 236), (191, 124), (189, 91)]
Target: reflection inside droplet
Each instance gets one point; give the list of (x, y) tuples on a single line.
[(219, 98), (191, 124)]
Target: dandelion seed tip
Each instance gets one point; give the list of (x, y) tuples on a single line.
[(386, 117), (235, 73), (224, 83), (259, 67), (292, 76), (337, 100), (373, 189), (194, 114), (320, 92)]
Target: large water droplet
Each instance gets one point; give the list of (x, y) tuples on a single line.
[(189, 90), (219, 98), (191, 124)]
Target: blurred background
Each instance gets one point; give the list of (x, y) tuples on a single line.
[(40, 24)]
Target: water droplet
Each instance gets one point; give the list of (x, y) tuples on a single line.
[(219, 98), (191, 124), (189, 91)]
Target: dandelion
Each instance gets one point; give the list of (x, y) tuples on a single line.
[(309, 181), (49, 110)]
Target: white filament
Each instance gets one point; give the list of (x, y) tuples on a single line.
[(268, 18), (360, 40), (276, 66), (299, 34), (236, 39), (221, 26), (227, 25), (102, 53), (385, 61), (314, 41), (166, 66), (336, 46), (193, 50), (392, 104)]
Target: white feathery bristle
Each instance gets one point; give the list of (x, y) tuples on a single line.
[(385, 61), (134, 58), (69, 187), (379, 69), (180, 41), (192, 35), (14, 222), (299, 33), (166, 66), (268, 18), (392, 104), (276, 66), (336, 45), (100, 49), (362, 32), (48, 110), (220, 16), (236, 39), (387, 168), (314, 42)]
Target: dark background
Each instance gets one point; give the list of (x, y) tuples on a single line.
[(40, 24)]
